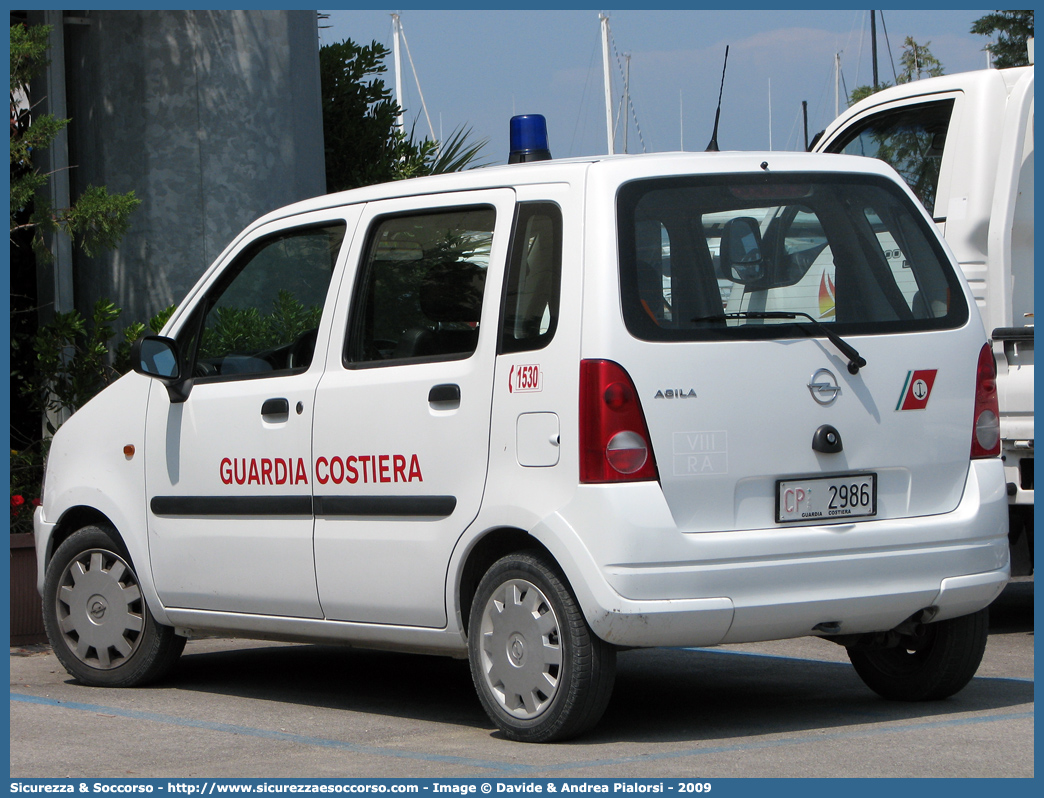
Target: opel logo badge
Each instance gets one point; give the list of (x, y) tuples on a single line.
[(517, 650), (823, 387), (96, 609)]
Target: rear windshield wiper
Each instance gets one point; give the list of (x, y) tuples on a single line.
[(855, 360)]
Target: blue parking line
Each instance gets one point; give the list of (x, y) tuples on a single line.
[(759, 654), (757, 746), (507, 767), (267, 734)]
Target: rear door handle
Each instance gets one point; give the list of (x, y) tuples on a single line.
[(274, 410)]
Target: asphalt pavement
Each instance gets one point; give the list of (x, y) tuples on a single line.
[(248, 709)]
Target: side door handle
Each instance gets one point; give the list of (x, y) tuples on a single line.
[(275, 410), (444, 397)]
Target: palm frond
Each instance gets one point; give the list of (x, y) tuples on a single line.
[(457, 153)]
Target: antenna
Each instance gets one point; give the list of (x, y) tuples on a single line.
[(604, 21), (713, 146)]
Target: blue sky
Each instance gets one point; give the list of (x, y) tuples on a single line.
[(478, 67)]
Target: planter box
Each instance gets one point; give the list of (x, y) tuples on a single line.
[(26, 610)]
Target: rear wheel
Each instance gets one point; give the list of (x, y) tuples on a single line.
[(933, 664), (96, 618), (540, 672)]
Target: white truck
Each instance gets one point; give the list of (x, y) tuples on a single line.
[(964, 143)]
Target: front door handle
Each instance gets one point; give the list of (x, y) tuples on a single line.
[(275, 410), (444, 397)]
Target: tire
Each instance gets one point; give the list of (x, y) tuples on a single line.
[(930, 666), (98, 623), (540, 672)]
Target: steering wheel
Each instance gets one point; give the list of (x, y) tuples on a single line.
[(301, 350), (204, 368)]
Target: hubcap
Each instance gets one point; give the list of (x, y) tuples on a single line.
[(521, 649), (99, 608)]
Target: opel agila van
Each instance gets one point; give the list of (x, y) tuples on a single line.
[(535, 414)]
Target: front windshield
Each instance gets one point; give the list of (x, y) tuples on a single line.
[(700, 257)]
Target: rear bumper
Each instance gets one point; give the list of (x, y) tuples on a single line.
[(1018, 470), (666, 588)]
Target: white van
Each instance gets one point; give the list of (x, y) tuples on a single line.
[(504, 415)]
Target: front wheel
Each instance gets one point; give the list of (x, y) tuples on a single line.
[(96, 618), (540, 672), (933, 664)]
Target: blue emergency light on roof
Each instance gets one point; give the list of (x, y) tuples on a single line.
[(529, 139)]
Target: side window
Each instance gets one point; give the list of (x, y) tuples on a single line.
[(534, 279), (911, 140), (419, 292), (261, 318)]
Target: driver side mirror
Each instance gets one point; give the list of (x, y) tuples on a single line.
[(740, 251), (158, 357)]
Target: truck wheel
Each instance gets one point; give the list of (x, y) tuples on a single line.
[(99, 626), (540, 672), (934, 664)]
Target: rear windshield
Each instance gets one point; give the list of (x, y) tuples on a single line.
[(731, 256)]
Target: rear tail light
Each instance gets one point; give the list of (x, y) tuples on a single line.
[(614, 439), (986, 431)]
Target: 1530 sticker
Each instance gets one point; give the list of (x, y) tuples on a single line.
[(525, 379)]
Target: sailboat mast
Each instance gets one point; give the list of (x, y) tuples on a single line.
[(770, 113), (396, 34), (837, 85), (627, 96), (873, 45), (608, 87)]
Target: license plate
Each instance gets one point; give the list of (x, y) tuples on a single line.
[(826, 498)]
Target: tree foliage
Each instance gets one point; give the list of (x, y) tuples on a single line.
[(917, 62), (1013, 29), (358, 113), (245, 330), (363, 144), (862, 92), (98, 219), (57, 367), (73, 361)]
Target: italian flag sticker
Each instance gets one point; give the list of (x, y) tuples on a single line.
[(917, 389)]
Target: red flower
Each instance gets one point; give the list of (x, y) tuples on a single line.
[(17, 501)]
